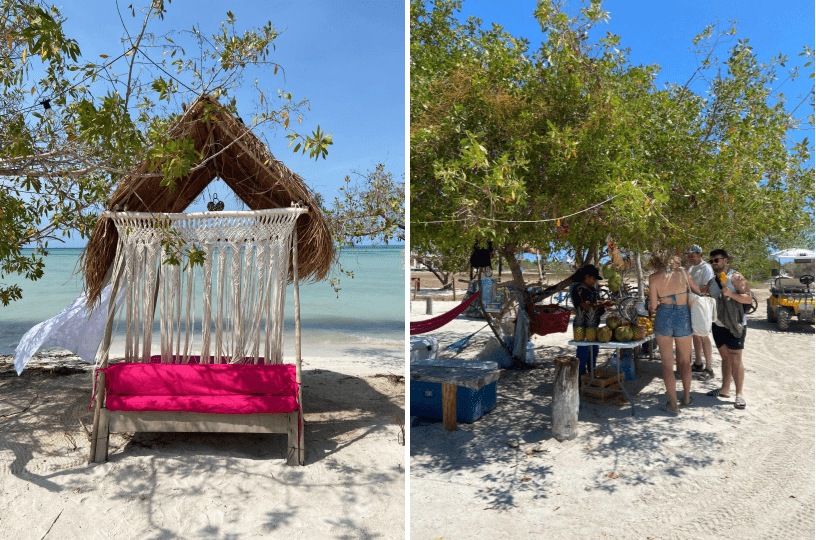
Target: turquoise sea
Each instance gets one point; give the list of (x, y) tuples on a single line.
[(369, 310)]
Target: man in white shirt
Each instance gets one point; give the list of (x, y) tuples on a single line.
[(701, 272)]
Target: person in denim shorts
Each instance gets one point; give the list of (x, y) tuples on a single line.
[(668, 300)]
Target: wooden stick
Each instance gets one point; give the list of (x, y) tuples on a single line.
[(103, 350), (449, 406), (298, 365)]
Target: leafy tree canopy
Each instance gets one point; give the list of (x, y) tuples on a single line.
[(570, 146)]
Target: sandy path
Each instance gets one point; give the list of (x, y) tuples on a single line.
[(201, 485), (713, 472)]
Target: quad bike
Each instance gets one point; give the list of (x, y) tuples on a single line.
[(791, 297)]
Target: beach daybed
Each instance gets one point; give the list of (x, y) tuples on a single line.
[(220, 365)]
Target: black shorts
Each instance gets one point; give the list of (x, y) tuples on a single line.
[(722, 336)]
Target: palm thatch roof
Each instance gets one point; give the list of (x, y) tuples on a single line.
[(233, 153)]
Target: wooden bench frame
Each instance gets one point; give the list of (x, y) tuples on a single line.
[(191, 422)]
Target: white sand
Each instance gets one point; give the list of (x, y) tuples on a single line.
[(713, 472), (206, 485)]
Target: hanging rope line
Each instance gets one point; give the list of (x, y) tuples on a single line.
[(518, 220), (421, 327)]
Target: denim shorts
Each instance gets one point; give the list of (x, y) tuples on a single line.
[(672, 321)]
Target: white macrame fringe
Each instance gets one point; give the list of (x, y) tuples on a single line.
[(243, 284)]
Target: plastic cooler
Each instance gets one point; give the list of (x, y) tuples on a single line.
[(426, 397), (423, 348)]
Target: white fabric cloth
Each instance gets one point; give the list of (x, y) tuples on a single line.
[(701, 273), (703, 313), (75, 328)]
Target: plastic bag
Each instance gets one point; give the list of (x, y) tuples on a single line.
[(703, 314)]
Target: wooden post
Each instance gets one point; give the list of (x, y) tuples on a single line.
[(293, 442), (102, 435), (449, 406), (101, 359), (565, 399), (301, 450)]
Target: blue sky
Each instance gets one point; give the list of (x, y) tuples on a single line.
[(661, 32), (346, 57)]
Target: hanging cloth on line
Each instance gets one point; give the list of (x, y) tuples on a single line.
[(420, 327)]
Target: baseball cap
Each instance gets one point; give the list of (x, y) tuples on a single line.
[(592, 270), (695, 249)]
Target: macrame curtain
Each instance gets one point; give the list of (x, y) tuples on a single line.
[(239, 291)]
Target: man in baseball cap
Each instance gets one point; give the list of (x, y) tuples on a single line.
[(701, 272)]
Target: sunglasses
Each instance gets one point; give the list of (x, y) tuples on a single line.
[(715, 261)]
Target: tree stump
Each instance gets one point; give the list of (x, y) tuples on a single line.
[(565, 399)]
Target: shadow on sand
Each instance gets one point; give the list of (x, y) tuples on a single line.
[(487, 448)]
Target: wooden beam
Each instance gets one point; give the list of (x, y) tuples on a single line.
[(191, 422), (449, 406)]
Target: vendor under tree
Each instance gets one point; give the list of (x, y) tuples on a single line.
[(588, 310)]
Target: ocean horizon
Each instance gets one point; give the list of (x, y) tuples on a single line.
[(368, 310)]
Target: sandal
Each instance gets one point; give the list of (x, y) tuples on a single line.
[(681, 404), (716, 393), (706, 375), (668, 409), (739, 403)]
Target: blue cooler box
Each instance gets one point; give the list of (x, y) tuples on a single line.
[(426, 397)]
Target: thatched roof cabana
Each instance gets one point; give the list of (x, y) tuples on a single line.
[(233, 153)]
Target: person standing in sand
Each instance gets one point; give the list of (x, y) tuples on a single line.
[(701, 273), (731, 293), (585, 297), (668, 301)]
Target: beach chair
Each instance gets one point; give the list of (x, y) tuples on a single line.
[(226, 374)]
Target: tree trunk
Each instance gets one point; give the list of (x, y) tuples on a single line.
[(639, 273), (540, 272), (552, 289), (509, 252), (565, 399), (441, 275), (591, 256)]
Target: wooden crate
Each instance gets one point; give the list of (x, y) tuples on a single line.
[(603, 377), (603, 395), (605, 387)]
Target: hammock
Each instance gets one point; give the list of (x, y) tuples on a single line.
[(421, 327), (459, 346)]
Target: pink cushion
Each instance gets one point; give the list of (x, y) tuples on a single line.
[(136, 379), (219, 404)]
